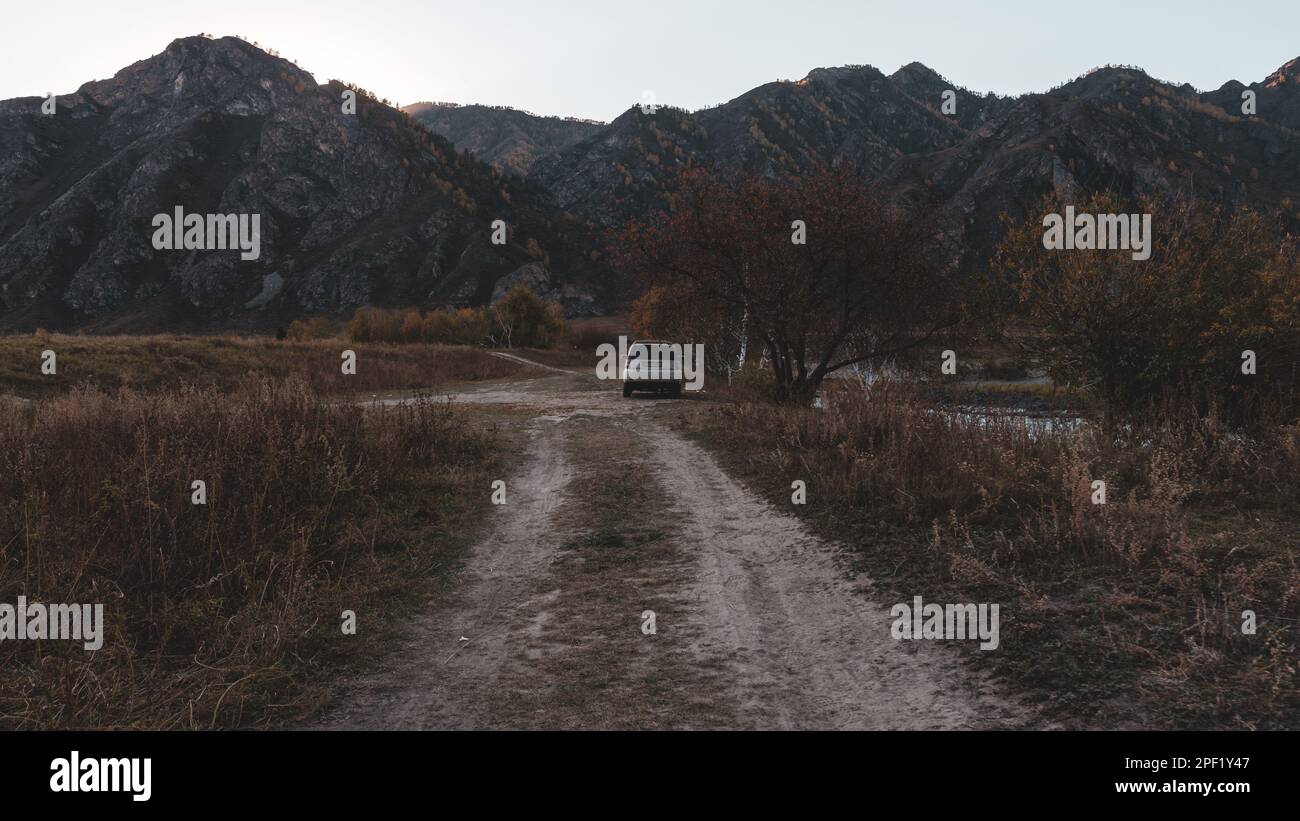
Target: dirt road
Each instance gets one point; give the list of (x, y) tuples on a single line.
[(613, 521)]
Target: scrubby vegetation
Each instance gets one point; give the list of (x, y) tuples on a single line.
[(221, 614), (156, 363), (816, 273), (519, 320), (1213, 315), (224, 614), (1123, 614), (1180, 370)]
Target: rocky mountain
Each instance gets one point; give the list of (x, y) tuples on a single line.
[(851, 115), (1114, 127), (356, 207), (385, 207), (1277, 96), (506, 138), (607, 173)]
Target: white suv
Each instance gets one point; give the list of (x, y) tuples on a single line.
[(653, 365)]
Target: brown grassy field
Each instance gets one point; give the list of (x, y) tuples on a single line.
[(1115, 615), (224, 614), (152, 363), (228, 614)]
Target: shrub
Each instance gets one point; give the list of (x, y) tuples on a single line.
[(315, 328), (1217, 283), (521, 319), (464, 326), (412, 327), (374, 325)]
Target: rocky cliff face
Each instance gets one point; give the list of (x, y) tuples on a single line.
[(355, 208)]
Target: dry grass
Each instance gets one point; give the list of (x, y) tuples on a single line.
[(154, 363), (219, 615), (1127, 614)]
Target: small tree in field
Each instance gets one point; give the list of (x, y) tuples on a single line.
[(318, 327), (521, 319), (412, 326), (374, 325), (1217, 283), (464, 326), (821, 271)]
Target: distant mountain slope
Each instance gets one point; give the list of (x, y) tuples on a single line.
[(1277, 96), (373, 207), (850, 115), (1115, 128), (355, 208), (506, 138), (924, 84), (1111, 128)]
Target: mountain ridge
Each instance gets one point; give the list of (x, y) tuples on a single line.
[(1111, 127), (382, 207), (357, 208)]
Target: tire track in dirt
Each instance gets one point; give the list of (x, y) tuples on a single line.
[(591, 666), (807, 648), (436, 680), (520, 360), (761, 625)]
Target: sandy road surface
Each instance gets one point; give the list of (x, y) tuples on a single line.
[(609, 514)]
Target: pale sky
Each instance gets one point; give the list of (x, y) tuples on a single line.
[(594, 58)]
